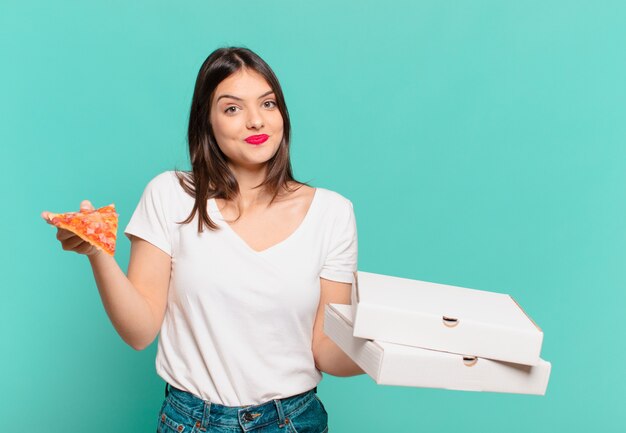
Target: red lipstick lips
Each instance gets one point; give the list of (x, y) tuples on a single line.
[(257, 139)]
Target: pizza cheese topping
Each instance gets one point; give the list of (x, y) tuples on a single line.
[(98, 227)]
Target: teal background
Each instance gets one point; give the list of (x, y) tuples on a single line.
[(482, 144)]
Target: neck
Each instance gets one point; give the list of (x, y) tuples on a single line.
[(248, 178)]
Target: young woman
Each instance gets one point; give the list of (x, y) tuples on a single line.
[(232, 264)]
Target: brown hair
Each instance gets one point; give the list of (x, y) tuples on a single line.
[(210, 175)]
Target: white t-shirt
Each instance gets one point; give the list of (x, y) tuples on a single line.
[(239, 323)]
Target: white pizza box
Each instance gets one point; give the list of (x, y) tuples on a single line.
[(396, 364), (445, 318)]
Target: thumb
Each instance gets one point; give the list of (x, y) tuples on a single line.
[(86, 205)]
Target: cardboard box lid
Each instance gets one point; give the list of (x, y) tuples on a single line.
[(443, 317), (395, 364)]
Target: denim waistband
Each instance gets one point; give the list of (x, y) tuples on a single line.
[(248, 417)]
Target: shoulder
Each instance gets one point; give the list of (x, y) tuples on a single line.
[(334, 203), (164, 181), (168, 176), (162, 188), (333, 197)]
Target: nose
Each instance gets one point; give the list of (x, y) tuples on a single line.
[(255, 120)]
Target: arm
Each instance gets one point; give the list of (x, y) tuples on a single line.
[(135, 304), (328, 357)]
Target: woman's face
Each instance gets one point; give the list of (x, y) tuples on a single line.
[(244, 105)]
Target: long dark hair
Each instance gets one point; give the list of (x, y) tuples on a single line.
[(210, 175)]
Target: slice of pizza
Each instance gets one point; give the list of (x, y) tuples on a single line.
[(98, 227)]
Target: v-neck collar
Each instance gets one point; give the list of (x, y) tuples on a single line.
[(304, 221)]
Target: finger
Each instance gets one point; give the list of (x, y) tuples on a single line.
[(63, 234), (47, 216), (72, 243), (86, 205), (84, 248)]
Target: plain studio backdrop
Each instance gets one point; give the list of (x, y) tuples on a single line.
[(482, 143)]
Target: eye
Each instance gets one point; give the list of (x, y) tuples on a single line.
[(272, 104), (228, 109)]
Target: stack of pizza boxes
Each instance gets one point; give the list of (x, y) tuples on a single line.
[(415, 333)]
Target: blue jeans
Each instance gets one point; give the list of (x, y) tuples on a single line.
[(184, 412)]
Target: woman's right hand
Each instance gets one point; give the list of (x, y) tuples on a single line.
[(70, 241)]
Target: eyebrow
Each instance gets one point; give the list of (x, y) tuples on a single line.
[(239, 99)]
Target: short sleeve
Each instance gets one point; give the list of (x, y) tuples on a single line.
[(341, 261), (150, 221)]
